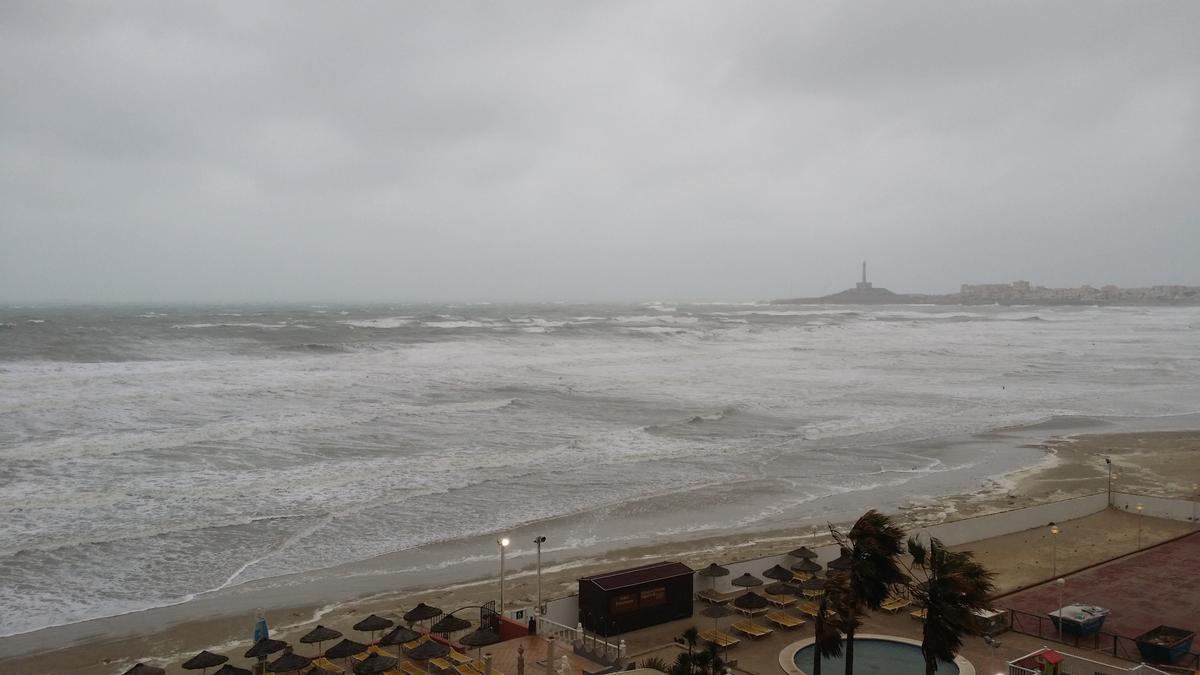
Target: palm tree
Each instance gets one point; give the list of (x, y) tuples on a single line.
[(827, 632), (691, 637), (873, 546), (952, 585)]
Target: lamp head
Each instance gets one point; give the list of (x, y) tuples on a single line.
[(1054, 529), (539, 540), (503, 542), (1060, 582), (1139, 507)]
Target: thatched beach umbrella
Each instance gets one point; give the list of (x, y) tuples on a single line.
[(449, 624), (715, 612), (375, 663), (290, 662), (422, 612), (265, 647), (782, 588), (229, 669), (203, 661), (345, 649), (712, 572), (842, 562), (373, 624), (747, 580), (813, 588), (751, 603), (398, 636), (806, 566), (429, 649), (143, 669), (778, 573), (318, 635), (803, 553), (479, 638)]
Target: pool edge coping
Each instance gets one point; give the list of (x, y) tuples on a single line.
[(787, 657)]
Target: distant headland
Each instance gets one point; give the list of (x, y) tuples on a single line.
[(1014, 293)]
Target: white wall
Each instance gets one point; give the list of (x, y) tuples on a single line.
[(1156, 507)]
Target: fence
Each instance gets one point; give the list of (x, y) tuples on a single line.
[(1118, 646), (1077, 665)]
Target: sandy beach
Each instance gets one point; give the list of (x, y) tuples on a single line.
[(1159, 462)]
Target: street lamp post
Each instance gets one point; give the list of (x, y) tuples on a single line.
[(1109, 463), (1195, 496), (541, 610), (1054, 549), (1139, 538), (1060, 582), (503, 542)]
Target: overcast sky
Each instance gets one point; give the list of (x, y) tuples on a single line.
[(248, 151)]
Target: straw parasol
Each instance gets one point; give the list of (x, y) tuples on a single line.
[(375, 663), (229, 669), (422, 612), (782, 588), (479, 638), (290, 662), (747, 580), (143, 669), (320, 634), (373, 624), (813, 588), (778, 573), (345, 649), (807, 566), (713, 571), (203, 661), (751, 603), (265, 647), (715, 612), (429, 649), (398, 636), (842, 562), (449, 624), (804, 553)]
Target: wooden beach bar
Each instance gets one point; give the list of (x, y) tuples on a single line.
[(617, 602)]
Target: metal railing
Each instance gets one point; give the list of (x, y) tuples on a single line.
[(575, 635), (1078, 665), (1117, 646)]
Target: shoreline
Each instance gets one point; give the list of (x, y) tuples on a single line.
[(1071, 465)]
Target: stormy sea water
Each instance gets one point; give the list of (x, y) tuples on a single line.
[(151, 454)]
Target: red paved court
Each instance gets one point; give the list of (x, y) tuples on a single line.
[(1157, 586)]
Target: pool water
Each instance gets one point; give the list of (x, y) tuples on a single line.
[(876, 657)]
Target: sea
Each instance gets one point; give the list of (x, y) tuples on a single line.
[(152, 455)]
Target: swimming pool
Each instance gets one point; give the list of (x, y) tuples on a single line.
[(873, 655)]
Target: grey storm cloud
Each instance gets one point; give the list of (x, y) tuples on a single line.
[(591, 151)]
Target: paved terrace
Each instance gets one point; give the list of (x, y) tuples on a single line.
[(1160, 585)]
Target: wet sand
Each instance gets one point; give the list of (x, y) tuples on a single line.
[(1161, 462)]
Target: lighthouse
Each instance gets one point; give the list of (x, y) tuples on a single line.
[(863, 285)]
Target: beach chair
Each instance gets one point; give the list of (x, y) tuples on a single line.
[(441, 664), (328, 665), (719, 638), (712, 596), (919, 615), (465, 669), (411, 668), (801, 576), (780, 601), (811, 608), (894, 604), (751, 629), (459, 658), (785, 620), (813, 593)]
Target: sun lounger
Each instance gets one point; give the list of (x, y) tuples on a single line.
[(801, 576), (713, 596), (441, 664), (811, 608), (813, 593), (780, 601), (894, 604), (785, 620), (459, 657), (411, 668), (328, 665), (919, 615), (751, 629), (719, 638)]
